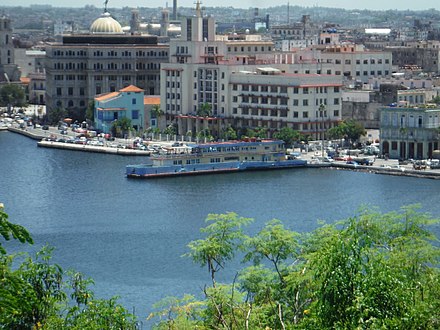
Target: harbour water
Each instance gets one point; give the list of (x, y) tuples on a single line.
[(130, 235)]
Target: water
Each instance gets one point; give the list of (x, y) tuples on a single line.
[(129, 235)]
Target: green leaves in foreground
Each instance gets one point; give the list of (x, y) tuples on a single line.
[(9, 230), (372, 271), (34, 292)]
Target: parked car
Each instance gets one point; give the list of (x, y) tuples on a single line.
[(45, 127), (364, 161), (419, 165), (435, 164)]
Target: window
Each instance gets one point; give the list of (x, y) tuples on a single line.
[(295, 90), (336, 101), (336, 113), (234, 99), (59, 91), (135, 114), (295, 102), (295, 114), (305, 90), (305, 103), (336, 88), (305, 114), (234, 87), (133, 101), (70, 91)]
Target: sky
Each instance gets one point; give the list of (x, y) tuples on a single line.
[(348, 4)]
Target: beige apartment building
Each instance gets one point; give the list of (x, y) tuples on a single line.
[(244, 83)]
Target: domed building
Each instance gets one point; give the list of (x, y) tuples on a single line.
[(103, 60), (106, 24)]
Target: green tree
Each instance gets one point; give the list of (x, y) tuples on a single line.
[(170, 130), (288, 135), (121, 127), (158, 113), (204, 110), (10, 230), (12, 94), (34, 293), (350, 130), (90, 112), (223, 238), (371, 271), (205, 134), (375, 271), (54, 116), (229, 133)]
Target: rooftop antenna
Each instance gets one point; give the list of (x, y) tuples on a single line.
[(198, 9), (288, 14)]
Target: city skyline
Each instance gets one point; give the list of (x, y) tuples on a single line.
[(346, 4)]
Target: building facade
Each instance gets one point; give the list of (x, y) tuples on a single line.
[(355, 62), (9, 71), (105, 60), (244, 84), (126, 103), (409, 132)]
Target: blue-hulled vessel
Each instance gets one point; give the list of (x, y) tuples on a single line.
[(217, 157)]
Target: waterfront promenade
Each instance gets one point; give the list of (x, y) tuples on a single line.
[(380, 166)]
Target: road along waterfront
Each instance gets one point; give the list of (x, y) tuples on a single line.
[(129, 235), (380, 166)]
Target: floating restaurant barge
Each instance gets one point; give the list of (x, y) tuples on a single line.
[(218, 157)]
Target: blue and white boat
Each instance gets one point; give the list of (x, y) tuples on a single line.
[(217, 157)]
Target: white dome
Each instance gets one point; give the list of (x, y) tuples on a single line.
[(106, 25)]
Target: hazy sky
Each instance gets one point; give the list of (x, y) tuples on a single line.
[(348, 4)]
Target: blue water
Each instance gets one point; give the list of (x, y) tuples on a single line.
[(129, 235)]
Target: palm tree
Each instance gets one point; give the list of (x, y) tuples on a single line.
[(157, 112), (204, 110)]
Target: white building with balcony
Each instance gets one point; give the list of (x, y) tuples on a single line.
[(409, 132)]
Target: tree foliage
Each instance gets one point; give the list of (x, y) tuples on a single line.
[(350, 130), (34, 292), (288, 135), (121, 127), (54, 116), (371, 271), (204, 110), (12, 94), (10, 230)]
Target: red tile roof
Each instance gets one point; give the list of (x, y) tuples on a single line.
[(107, 96), (151, 100), (131, 88)]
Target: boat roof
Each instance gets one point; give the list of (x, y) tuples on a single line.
[(238, 143)]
